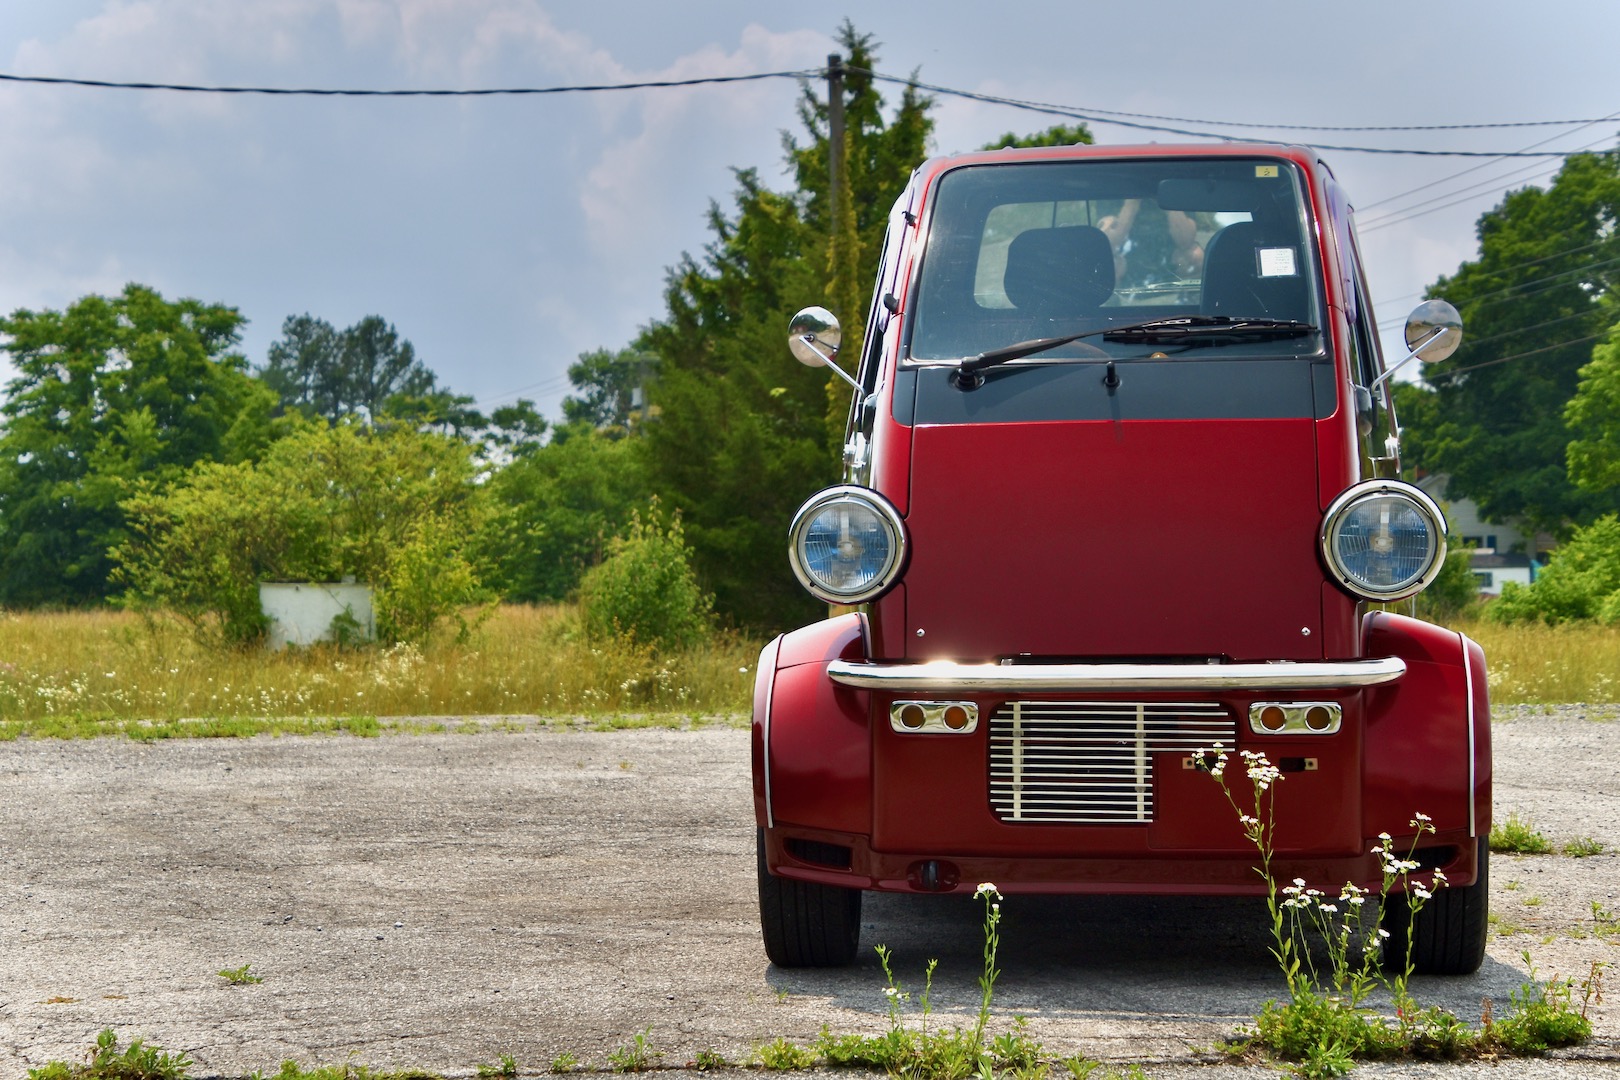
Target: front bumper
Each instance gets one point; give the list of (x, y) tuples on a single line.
[(948, 676)]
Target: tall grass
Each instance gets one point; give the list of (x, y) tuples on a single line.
[(70, 673), (1547, 665)]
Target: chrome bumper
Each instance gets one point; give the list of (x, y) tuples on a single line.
[(946, 676)]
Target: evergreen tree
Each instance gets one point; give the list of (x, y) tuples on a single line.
[(742, 433)]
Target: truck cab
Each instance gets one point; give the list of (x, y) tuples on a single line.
[(1121, 485)]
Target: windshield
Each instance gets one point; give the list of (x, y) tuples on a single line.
[(1051, 249)]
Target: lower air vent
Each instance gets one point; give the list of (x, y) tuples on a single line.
[(1091, 762), (834, 856)]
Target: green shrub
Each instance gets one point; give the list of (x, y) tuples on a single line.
[(645, 590), (1581, 583), (1454, 591), (393, 508)]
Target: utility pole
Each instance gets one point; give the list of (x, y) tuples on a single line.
[(843, 255), (835, 130)]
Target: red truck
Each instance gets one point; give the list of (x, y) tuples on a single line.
[(1121, 483)]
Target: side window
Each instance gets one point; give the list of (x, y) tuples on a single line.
[(1380, 449)]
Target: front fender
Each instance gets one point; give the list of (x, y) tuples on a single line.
[(811, 737), (1428, 737)]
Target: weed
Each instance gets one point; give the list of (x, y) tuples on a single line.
[(782, 1055), (1544, 1017), (1605, 924), (708, 1059), (637, 1055), (564, 1062), (1501, 926), (104, 1062), (240, 976), (1582, 846), (505, 1070), (349, 1070), (1532, 901), (1517, 836), (1323, 1028)]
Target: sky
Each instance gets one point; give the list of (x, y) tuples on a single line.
[(504, 236)]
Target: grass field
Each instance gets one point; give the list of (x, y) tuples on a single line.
[(88, 673), (1549, 665), (84, 673)]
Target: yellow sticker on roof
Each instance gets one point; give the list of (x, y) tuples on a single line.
[(1265, 170)]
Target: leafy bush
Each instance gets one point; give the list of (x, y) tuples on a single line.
[(557, 507), (645, 590), (1454, 590), (393, 508), (1582, 582)]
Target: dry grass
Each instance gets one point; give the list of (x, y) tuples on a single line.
[(88, 673), (79, 673), (1547, 665)]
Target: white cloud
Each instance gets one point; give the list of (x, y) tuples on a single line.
[(634, 187)]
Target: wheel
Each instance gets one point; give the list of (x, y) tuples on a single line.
[(805, 924), (1448, 935)]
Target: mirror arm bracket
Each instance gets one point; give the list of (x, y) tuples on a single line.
[(1434, 336), (827, 357)]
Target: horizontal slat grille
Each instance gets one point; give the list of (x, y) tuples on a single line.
[(1091, 762)]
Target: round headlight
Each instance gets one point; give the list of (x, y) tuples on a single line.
[(1384, 540), (847, 544)]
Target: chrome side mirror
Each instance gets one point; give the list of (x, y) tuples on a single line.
[(1433, 332), (813, 338)]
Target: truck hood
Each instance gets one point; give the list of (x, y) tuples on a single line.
[(1100, 538)]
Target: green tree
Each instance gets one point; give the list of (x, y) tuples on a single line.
[(1533, 302), (1056, 135), (609, 387), (111, 392), (560, 504), (304, 366), (517, 429), (741, 435), (319, 371), (1593, 416), (392, 507)]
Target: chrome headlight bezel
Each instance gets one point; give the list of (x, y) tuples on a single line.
[(889, 518), (1359, 495)]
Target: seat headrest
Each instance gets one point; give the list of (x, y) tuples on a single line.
[(1062, 271)]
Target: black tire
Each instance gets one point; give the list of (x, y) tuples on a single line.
[(805, 924), (1448, 935)]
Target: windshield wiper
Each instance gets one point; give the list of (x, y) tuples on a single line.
[(1182, 327), (969, 368), (1154, 331)]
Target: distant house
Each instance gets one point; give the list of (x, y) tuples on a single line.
[(1502, 553)]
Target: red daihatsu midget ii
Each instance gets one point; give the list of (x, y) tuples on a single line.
[(1121, 483)]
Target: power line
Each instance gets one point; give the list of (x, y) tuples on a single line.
[(1500, 270), (1099, 116), (1482, 165), (1391, 217), (499, 91), (1516, 356), (1397, 217)]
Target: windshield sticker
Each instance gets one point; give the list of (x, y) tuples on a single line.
[(1265, 170), (1278, 262)]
